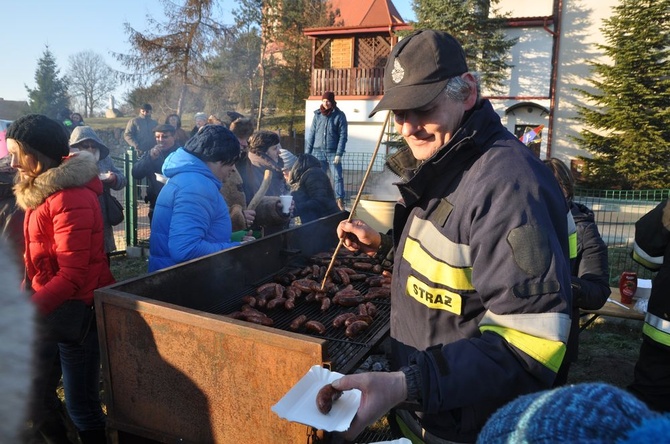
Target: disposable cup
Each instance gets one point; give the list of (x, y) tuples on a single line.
[(286, 203)]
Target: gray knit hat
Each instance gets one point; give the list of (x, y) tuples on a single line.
[(41, 134), (288, 158), (583, 413), (82, 134), (214, 143)]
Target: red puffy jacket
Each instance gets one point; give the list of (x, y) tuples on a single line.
[(63, 231)]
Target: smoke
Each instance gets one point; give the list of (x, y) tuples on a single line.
[(380, 187), (16, 348)]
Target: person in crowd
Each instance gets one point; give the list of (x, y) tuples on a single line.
[(64, 261), (233, 189), (64, 117), (289, 160), (214, 120), (11, 215), (651, 379), (139, 132), (263, 156), (85, 138), (480, 297), (595, 413), (191, 217), (589, 264), (150, 165), (179, 134), (77, 120), (200, 121), (327, 140), (311, 189)]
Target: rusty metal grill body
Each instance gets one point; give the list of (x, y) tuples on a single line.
[(176, 369)]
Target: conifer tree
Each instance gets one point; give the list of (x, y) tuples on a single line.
[(627, 114), (50, 94), (478, 26)]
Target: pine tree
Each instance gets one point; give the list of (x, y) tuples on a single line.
[(478, 26), (627, 118), (50, 94)]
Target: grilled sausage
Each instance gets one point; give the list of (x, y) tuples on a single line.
[(298, 322), (363, 266), (262, 320), (348, 300), (371, 309), (326, 397), (340, 319), (325, 303), (289, 304), (249, 300), (276, 302), (355, 328), (306, 285), (315, 327), (365, 318), (378, 292)]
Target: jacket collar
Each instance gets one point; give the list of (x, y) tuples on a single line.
[(76, 171)]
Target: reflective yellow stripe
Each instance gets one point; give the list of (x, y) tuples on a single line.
[(572, 241), (431, 297), (546, 352), (436, 270), (657, 329), (641, 257), (440, 247), (550, 326), (572, 236)]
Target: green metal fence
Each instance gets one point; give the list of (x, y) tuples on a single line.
[(616, 211)]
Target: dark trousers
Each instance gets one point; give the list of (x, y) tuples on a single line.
[(651, 382)]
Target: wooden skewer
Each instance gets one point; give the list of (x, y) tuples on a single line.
[(358, 197)]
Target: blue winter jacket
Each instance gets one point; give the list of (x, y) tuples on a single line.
[(329, 133), (191, 217)]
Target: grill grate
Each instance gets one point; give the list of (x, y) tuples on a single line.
[(345, 353)]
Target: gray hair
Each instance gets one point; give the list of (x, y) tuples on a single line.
[(458, 89)]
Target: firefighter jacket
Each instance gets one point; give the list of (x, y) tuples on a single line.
[(652, 250), (481, 285)]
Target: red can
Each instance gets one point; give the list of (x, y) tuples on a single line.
[(627, 286)]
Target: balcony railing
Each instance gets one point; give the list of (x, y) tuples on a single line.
[(348, 81)]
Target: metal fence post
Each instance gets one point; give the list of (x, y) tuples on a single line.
[(130, 158)]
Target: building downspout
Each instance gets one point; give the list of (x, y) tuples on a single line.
[(558, 16)]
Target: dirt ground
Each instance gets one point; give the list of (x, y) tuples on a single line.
[(608, 350)]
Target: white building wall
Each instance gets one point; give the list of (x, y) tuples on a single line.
[(581, 24), (529, 80)]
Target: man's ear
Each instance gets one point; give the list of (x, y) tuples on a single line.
[(470, 102)]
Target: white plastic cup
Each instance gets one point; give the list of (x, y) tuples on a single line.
[(286, 203)]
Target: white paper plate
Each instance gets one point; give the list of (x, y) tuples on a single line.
[(105, 176), (299, 404), (161, 178)]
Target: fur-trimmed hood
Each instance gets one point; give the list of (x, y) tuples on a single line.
[(75, 171)]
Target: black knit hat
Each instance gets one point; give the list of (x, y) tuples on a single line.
[(214, 143), (41, 134), (419, 68)]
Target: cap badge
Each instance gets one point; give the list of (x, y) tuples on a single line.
[(398, 72)]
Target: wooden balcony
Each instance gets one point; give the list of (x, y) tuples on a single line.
[(348, 81)]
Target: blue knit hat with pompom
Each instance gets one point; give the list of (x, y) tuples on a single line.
[(593, 413)]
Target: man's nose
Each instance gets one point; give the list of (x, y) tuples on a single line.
[(408, 124)]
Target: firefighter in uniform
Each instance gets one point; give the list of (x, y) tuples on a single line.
[(651, 381), (480, 299)]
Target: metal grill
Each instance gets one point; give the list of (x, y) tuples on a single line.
[(345, 353)]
